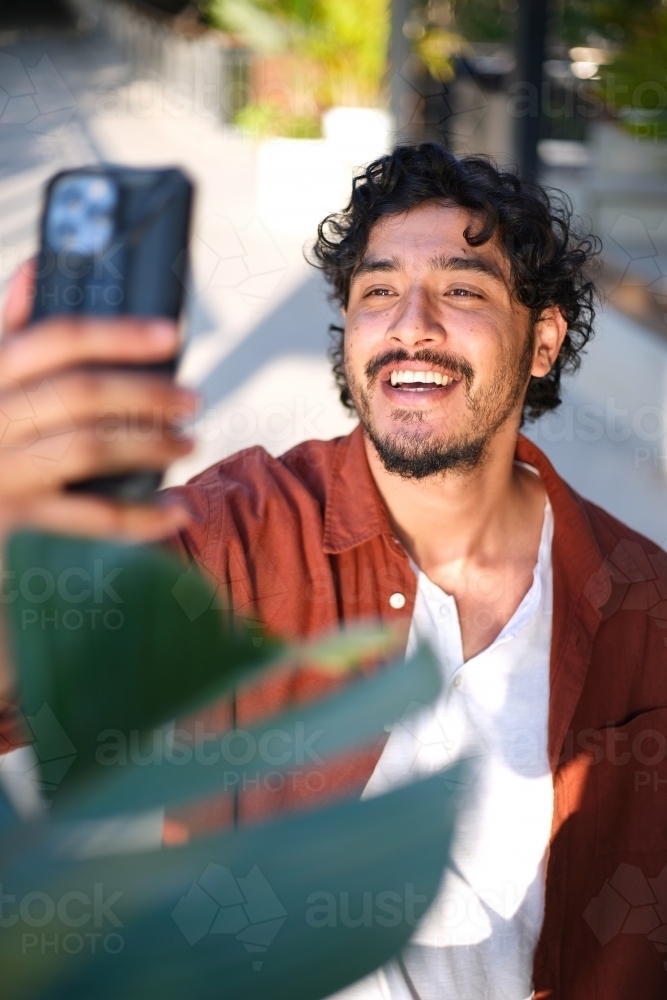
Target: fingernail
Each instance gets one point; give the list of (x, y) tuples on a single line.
[(162, 332)]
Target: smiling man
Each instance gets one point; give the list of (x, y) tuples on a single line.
[(465, 295), (438, 355)]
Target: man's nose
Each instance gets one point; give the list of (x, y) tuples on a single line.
[(415, 323)]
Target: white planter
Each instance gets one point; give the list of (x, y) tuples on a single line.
[(360, 134), (299, 181)]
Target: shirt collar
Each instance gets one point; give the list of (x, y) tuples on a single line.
[(574, 540), (355, 513)]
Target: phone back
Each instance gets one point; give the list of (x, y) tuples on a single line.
[(114, 242)]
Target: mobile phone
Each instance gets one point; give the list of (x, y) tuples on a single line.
[(113, 241)]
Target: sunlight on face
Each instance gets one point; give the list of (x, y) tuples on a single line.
[(437, 352)]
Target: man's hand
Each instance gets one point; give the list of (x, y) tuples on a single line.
[(53, 411), (52, 424)]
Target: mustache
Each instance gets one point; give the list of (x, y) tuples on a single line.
[(438, 359)]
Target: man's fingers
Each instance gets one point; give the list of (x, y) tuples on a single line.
[(18, 302), (51, 420), (51, 462), (67, 341), (118, 404), (94, 517)]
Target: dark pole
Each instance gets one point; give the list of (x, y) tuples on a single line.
[(530, 38), (399, 51)]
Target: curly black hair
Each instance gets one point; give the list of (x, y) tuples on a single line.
[(551, 259)]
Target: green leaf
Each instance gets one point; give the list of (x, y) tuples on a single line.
[(264, 32), (346, 885), (166, 656), (337, 651), (111, 636), (356, 715)]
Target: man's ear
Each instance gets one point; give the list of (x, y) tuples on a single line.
[(550, 330)]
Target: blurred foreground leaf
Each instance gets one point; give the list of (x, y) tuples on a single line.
[(355, 715), (346, 886), (291, 910), (101, 641)]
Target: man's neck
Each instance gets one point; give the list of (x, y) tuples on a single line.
[(459, 515), (476, 534)]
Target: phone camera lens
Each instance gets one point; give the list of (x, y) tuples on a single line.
[(101, 193), (66, 236), (80, 215)]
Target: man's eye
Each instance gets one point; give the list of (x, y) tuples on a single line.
[(379, 291), (462, 293)]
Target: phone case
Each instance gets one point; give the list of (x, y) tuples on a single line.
[(130, 259)]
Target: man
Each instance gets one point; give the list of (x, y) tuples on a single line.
[(465, 295)]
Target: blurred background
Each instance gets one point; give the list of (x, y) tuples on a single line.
[(271, 105)]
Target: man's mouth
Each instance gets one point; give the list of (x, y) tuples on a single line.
[(419, 381)]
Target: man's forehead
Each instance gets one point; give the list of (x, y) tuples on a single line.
[(431, 237), (430, 229)]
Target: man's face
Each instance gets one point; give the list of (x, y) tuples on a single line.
[(437, 353)]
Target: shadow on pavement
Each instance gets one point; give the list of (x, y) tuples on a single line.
[(298, 326)]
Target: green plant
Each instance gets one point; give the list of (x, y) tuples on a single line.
[(264, 118), (585, 22), (635, 83), (347, 40), (174, 650), (436, 48)]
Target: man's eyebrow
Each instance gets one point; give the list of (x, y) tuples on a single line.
[(370, 265), (478, 264)]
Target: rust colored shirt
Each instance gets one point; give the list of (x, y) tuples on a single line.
[(302, 544)]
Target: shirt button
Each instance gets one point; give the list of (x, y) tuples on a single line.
[(397, 601), (457, 681)]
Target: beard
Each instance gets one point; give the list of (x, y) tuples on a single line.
[(412, 452)]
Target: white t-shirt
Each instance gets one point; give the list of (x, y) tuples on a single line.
[(477, 940)]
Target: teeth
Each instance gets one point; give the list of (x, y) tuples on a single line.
[(410, 376)]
